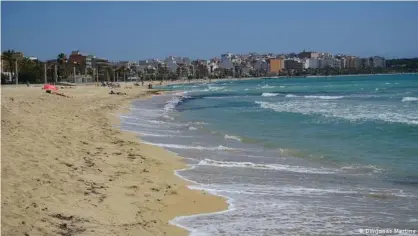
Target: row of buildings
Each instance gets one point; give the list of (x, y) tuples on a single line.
[(254, 64), (273, 64), (84, 67)]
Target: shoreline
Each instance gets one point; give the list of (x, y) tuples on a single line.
[(196, 81), (177, 82), (74, 170), (189, 183)]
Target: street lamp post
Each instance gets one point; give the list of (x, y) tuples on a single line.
[(74, 72), (17, 73), (93, 74), (45, 75), (55, 73)]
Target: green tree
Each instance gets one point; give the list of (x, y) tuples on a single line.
[(31, 71)]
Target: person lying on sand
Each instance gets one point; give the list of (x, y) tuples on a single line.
[(117, 93), (57, 93)]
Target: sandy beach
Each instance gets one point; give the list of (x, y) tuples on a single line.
[(68, 170)]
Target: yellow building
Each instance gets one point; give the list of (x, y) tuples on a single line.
[(276, 65)]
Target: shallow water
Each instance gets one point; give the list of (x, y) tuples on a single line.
[(307, 156)]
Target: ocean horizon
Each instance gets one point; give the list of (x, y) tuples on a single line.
[(297, 156)]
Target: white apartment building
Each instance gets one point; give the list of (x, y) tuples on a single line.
[(261, 65), (343, 62), (183, 60), (336, 63), (212, 66), (329, 62), (171, 63), (226, 62), (311, 63), (325, 55)]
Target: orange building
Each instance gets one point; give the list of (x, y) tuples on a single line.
[(276, 65)]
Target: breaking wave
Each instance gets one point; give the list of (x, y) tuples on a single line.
[(409, 99), (232, 137), (280, 167), (328, 109), (177, 146), (269, 94), (315, 97), (175, 101)]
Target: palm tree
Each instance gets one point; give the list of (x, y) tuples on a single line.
[(162, 71), (122, 71), (179, 72), (110, 73), (62, 62), (127, 73), (117, 72), (133, 71), (9, 56)]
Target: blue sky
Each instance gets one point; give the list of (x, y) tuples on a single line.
[(140, 30)]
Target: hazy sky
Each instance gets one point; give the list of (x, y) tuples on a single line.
[(140, 30)]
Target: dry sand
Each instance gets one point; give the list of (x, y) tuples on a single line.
[(67, 171)]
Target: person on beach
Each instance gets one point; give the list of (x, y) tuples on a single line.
[(117, 93)]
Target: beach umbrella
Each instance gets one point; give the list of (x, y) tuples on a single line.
[(49, 87)]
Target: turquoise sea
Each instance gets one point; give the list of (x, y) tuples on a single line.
[(294, 156)]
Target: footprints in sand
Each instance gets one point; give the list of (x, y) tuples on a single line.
[(68, 225), (88, 161), (93, 188)]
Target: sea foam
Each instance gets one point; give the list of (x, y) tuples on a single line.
[(232, 137), (315, 97), (409, 99), (331, 109), (269, 94), (268, 86), (177, 146), (279, 167), (170, 105)]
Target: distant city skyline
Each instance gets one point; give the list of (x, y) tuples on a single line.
[(142, 30)]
